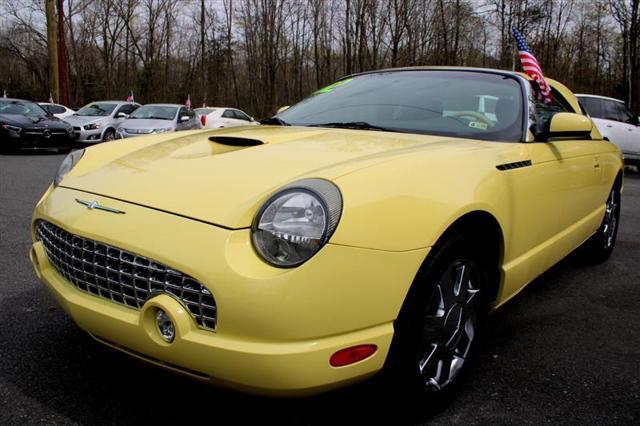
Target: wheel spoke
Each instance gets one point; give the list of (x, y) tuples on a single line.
[(429, 358), (447, 287)]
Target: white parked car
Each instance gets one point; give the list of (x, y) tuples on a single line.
[(57, 110), (217, 118), (615, 123)]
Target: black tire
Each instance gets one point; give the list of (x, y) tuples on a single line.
[(440, 325), (109, 135), (601, 244)]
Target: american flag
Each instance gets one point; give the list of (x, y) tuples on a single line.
[(130, 96), (531, 66), (187, 103)]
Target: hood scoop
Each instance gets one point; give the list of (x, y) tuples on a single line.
[(235, 141)]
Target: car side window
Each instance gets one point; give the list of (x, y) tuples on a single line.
[(182, 112), (55, 109), (241, 115), (545, 111), (618, 111), (228, 114), (592, 106), (125, 109)]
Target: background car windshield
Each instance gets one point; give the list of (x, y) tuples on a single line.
[(99, 109), (155, 112), (21, 108), (452, 103)]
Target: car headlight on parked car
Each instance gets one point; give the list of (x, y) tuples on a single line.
[(92, 126), (296, 222), (12, 128), (67, 164), (163, 129)]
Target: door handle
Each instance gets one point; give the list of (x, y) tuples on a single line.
[(609, 126), (596, 164)]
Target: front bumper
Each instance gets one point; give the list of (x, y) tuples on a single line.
[(34, 139), (87, 136), (276, 328)]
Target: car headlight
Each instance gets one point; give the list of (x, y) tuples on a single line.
[(163, 129), (296, 222), (67, 164), (12, 128), (92, 126)]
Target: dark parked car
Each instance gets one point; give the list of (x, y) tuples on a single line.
[(25, 124)]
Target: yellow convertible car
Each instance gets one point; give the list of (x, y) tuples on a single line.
[(369, 228)]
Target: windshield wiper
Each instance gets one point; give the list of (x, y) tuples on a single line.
[(359, 125), (275, 121)]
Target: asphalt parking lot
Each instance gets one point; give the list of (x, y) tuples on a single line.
[(566, 350)]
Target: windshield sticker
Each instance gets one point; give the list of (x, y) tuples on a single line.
[(332, 86), (478, 125)]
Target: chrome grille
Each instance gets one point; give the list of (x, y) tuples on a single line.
[(138, 131), (121, 276)]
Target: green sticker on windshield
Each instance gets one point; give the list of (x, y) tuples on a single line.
[(332, 86)]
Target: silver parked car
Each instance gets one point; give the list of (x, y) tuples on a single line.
[(98, 121), (158, 118)]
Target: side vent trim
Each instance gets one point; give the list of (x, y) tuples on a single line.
[(515, 165)]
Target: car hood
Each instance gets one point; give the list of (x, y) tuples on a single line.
[(26, 121), (225, 182), (146, 123), (78, 120)]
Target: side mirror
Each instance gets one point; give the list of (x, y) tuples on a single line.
[(282, 109), (122, 115), (567, 125), (184, 118)]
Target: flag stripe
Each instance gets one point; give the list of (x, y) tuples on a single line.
[(531, 66)]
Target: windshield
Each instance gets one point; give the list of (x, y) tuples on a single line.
[(452, 103), (21, 108), (98, 109), (155, 112)]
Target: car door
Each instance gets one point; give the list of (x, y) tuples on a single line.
[(241, 118), (228, 118), (570, 173)]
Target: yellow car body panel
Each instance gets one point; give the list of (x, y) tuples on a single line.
[(190, 202)]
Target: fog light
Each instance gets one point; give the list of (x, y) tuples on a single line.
[(165, 326)]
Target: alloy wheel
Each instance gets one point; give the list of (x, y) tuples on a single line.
[(610, 219), (450, 325), (109, 136)]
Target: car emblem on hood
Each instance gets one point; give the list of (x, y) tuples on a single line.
[(95, 205)]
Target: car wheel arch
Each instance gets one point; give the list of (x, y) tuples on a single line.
[(482, 229), (108, 129)]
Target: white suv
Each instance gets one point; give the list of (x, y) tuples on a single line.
[(615, 123)]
